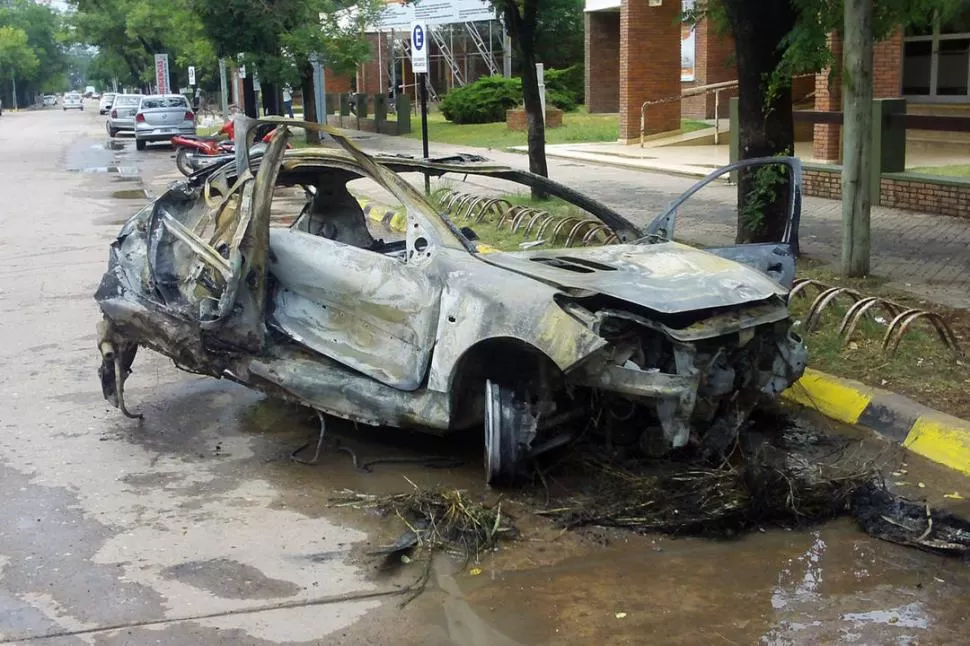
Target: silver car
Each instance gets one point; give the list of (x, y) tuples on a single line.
[(72, 101), (121, 117), (668, 344), (162, 116), (105, 103)]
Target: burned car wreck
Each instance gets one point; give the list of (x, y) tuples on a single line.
[(657, 342)]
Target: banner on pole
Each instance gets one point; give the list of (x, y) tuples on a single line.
[(161, 74)]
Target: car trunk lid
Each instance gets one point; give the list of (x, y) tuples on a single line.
[(164, 113)]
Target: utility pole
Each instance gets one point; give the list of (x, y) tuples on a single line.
[(857, 137), (223, 90)]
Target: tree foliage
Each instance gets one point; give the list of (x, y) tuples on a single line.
[(30, 46), (560, 33), (128, 33), (774, 42), (17, 59)]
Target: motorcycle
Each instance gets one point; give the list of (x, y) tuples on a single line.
[(193, 153)]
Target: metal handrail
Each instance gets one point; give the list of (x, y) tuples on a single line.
[(716, 88)]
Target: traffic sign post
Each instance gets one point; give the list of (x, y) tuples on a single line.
[(419, 65), (192, 75)]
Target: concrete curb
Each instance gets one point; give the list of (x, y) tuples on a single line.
[(937, 436)]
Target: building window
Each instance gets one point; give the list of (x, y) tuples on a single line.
[(687, 44), (936, 61)]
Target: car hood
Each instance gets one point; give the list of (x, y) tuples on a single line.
[(669, 277)]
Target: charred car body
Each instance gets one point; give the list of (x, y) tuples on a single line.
[(439, 332)]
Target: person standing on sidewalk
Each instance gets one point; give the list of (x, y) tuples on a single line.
[(287, 101)]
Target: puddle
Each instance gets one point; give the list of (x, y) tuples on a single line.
[(123, 171), (829, 584), (130, 194)]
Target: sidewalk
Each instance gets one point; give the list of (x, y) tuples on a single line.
[(698, 161), (925, 254)]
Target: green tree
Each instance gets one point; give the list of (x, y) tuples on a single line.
[(560, 33), (280, 36), (43, 30), (128, 33), (775, 41), (522, 24), (17, 59)]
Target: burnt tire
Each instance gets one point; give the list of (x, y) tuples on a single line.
[(509, 427), (182, 161)]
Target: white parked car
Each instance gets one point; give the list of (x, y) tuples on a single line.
[(105, 104), (72, 101)]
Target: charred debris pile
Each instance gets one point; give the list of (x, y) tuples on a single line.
[(790, 478)]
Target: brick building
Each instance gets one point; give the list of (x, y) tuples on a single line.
[(636, 52)]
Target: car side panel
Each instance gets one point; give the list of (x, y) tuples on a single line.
[(370, 312), (483, 302)]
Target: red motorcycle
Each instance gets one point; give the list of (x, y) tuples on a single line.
[(193, 153), (189, 146)]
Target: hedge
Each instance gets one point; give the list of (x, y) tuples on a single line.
[(487, 99)]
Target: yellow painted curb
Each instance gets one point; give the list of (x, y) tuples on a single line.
[(943, 439), (391, 218), (839, 399)]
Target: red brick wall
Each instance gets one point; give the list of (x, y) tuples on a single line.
[(371, 77), (713, 63), (517, 120), (886, 82), (928, 197), (822, 183), (887, 67), (827, 146), (649, 66), (337, 84), (603, 61), (911, 194)]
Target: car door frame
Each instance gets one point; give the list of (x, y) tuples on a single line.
[(775, 259)]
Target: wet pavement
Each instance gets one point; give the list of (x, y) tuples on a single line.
[(194, 527)]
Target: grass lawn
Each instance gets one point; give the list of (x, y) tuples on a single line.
[(956, 170), (578, 126)]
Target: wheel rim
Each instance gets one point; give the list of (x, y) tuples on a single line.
[(492, 455)]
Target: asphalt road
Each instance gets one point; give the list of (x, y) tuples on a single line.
[(194, 528)]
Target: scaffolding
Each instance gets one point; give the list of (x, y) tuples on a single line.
[(461, 53)]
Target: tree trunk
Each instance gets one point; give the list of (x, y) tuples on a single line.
[(309, 100), (857, 137), (522, 30), (249, 97), (271, 103), (766, 126)]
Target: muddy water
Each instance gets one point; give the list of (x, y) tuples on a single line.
[(829, 584)]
